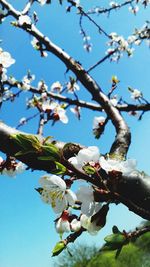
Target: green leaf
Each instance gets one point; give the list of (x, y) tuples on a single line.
[(115, 230), (60, 169), (22, 153), (51, 150), (60, 246), (115, 239), (89, 169), (26, 141), (118, 253)]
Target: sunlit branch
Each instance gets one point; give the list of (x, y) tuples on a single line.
[(27, 7), (85, 14), (108, 10), (102, 60), (127, 107)]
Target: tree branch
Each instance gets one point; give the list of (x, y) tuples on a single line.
[(123, 136)]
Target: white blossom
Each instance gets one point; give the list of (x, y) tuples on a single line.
[(4, 75), (23, 121), (59, 113), (98, 121), (19, 168), (113, 4), (134, 9), (124, 166), (88, 204), (56, 193), (24, 19), (12, 80), (85, 155), (62, 224), (72, 87), (35, 43), (42, 86), (91, 227), (56, 86), (136, 94), (42, 2), (75, 225), (5, 59)]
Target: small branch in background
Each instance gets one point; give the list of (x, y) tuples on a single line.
[(138, 232), (100, 10), (26, 120), (41, 124), (83, 13), (102, 60), (27, 8)]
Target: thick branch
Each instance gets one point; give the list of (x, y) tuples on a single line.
[(9, 147), (134, 192)]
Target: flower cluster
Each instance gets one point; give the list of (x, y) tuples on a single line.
[(26, 82), (10, 167), (118, 45), (5, 62), (135, 93), (56, 191)]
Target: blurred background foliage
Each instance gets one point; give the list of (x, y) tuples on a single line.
[(82, 255)]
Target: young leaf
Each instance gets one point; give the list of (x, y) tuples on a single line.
[(60, 246), (60, 169), (89, 169)]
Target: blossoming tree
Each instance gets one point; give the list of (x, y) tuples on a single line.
[(103, 178)]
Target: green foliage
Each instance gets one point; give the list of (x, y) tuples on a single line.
[(132, 255), (79, 256), (28, 144)]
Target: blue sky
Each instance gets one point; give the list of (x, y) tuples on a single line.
[(27, 230)]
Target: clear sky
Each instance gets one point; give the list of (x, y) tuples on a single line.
[(26, 224)]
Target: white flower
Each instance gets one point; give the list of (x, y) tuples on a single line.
[(91, 227), (19, 168), (75, 225), (59, 113), (88, 204), (62, 226), (42, 2), (55, 193), (23, 121), (136, 94), (4, 75), (12, 80), (72, 87), (113, 4), (85, 155), (98, 121), (35, 43), (5, 59), (134, 9), (124, 166), (42, 86), (1, 160), (24, 19), (56, 86)]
